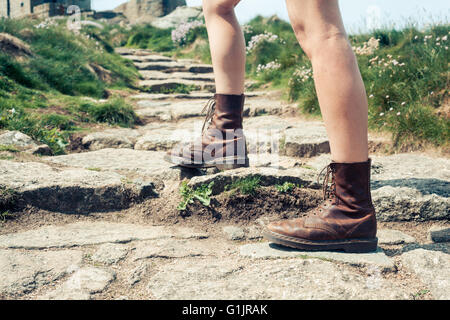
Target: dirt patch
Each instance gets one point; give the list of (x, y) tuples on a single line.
[(238, 208)]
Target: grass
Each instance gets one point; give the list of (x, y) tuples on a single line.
[(8, 148), (246, 186), (189, 195), (41, 95), (406, 76)]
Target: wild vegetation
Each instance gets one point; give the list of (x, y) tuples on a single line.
[(43, 88)]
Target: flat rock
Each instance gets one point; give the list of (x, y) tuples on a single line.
[(234, 233), (17, 139), (171, 248), (82, 284), (173, 83), (186, 96), (439, 234), (393, 237), (432, 268), (136, 274), (298, 279), (110, 253), (405, 204), (23, 272), (68, 189), (147, 165), (116, 138), (266, 250), (170, 66), (90, 233), (148, 58), (158, 75), (305, 139)]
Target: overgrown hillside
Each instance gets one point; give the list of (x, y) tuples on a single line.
[(405, 71), (46, 73)]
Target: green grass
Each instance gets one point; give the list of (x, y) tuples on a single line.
[(8, 148), (405, 89), (41, 95), (245, 186), (189, 195)]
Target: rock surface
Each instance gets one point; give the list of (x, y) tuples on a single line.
[(89, 233), (17, 139), (178, 16), (68, 190), (212, 278), (433, 268), (110, 253), (82, 284), (24, 272), (439, 234), (393, 237), (266, 250)]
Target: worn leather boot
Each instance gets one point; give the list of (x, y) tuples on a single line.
[(345, 221), (223, 142)]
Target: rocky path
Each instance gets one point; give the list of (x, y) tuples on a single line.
[(103, 224)]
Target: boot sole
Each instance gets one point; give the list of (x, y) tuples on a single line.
[(220, 163), (350, 245)]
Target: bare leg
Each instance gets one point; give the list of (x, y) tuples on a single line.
[(227, 45), (342, 97)]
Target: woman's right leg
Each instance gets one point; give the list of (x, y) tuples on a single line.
[(222, 145), (227, 45)]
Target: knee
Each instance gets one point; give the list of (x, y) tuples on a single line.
[(315, 41), (221, 7)]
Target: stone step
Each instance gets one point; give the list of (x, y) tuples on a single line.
[(132, 51), (69, 190), (184, 96), (167, 67), (158, 75), (173, 66), (173, 84), (148, 58), (136, 166)]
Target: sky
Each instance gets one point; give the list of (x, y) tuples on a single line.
[(358, 15)]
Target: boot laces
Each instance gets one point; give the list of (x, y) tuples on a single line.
[(328, 191), (209, 108)]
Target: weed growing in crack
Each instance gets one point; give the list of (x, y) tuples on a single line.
[(189, 195)]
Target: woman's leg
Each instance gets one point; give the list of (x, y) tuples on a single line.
[(320, 31), (346, 220), (227, 45)]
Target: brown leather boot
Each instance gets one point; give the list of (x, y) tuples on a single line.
[(345, 221), (223, 143)]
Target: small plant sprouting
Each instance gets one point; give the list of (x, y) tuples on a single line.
[(286, 187), (247, 185), (189, 195)]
